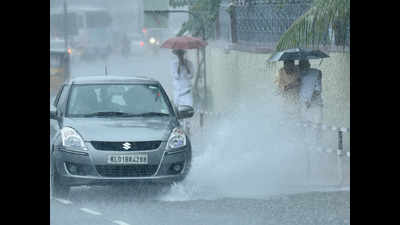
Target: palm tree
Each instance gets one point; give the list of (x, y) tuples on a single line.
[(312, 27)]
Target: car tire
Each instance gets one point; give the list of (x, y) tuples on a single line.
[(57, 189)]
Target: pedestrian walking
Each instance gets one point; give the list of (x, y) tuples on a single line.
[(288, 76), (288, 83), (311, 85), (310, 95), (182, 74)]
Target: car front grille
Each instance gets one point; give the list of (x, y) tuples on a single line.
[(119, 146), (126, 170)]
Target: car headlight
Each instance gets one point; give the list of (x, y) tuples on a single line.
[(71, 139), (176, 139), (152, 40)]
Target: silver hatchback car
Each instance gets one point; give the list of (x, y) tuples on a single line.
[(111, 130)]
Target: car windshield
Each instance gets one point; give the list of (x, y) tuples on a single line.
[(117, 100)]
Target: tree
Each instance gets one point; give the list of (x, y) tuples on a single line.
[(310, 30), (207, 11)]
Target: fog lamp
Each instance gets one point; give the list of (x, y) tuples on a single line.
[(72, 169), (177, 167)]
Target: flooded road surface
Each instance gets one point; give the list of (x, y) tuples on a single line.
[(113, 206)]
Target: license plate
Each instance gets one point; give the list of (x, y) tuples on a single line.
[(128, 159)]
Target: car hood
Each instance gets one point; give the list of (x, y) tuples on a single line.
[(122, 129)]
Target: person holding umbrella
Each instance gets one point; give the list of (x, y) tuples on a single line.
[(287, 82), (311, 100), (311, 85), (182, 71), (288, 79)]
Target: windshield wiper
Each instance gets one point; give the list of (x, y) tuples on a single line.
[(101, 114), (152, 114)]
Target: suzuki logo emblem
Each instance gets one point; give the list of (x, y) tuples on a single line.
[(126, 146)]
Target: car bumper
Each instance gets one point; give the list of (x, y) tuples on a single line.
[(96, 171), (87, 180)]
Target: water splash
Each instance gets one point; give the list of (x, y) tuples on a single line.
[(246, 155)]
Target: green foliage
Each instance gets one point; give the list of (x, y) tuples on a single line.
[(310, 29), (204, 15), (179, 3)]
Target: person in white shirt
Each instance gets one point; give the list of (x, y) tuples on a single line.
[(311, 85), (182, 71), (182, 74), (311, 98)]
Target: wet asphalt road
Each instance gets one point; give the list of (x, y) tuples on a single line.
[(113, 206), (148, 205)]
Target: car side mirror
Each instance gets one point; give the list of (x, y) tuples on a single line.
[(185, 111), (53, 113)]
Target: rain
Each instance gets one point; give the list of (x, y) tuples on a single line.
[(257, 156)]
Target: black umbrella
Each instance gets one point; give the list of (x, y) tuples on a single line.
[(297, 54)]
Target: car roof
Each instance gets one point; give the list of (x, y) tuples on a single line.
[(110, 79)]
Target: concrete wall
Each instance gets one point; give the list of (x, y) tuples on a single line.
[(234, 76)]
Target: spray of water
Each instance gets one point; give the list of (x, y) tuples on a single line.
[(251, 153)]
